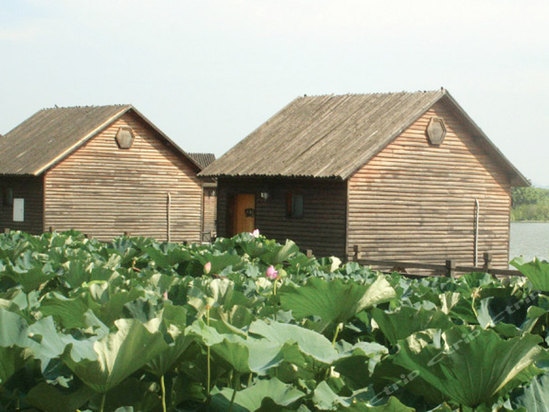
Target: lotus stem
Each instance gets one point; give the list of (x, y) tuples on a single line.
[(338, 329), (274, 287), (236, 385), (232, 400), (163, 386), (208, 354), (28, 303), (103, 398), (473, 302)]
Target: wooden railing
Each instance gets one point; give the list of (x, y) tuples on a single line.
[(448, 269)]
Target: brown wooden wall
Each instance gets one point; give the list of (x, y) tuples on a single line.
[(210, 209), (104, 191), (415, 202), (322, 227), (30, 189)]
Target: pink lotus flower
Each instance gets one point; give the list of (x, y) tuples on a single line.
[(255, 233), (271, 272), (165, 295), (207, 267)]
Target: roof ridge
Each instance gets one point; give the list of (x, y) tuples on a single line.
[(91, 106), (442, 89)]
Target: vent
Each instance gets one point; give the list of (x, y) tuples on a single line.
[(436, 131), (124, 137)]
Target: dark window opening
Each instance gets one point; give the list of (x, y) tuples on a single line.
[(7, 196), (294, 205)]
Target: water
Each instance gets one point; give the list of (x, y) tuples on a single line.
[(529, 240)]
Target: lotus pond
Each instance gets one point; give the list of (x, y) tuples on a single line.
[(248, 324)]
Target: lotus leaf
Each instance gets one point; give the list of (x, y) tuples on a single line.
[(469, 365), (334, 301), (251, 398)]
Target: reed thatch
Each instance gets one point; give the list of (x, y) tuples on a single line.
[(332, 136), (51, 134)]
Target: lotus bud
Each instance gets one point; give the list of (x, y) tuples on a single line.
[(255, 233), (207, 267), (271, 272), (165, 295)]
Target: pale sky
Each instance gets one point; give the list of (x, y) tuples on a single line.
[(208, 72)]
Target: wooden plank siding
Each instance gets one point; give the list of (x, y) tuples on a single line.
[(104, 191), (416, 202), (322, 227), (210, 209), (28, 188)]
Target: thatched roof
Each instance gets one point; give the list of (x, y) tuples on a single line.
[(50, 135), (332, 136), (203, 159)]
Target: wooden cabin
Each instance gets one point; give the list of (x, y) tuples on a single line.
[(402, 176), (102, 170), (209, 197)]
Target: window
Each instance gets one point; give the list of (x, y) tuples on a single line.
[(18, 210), (294, 205), (7, 196)]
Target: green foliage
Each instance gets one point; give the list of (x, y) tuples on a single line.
[(529, 204), (137, 324)]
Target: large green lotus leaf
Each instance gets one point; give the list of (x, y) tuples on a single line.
[(468, 365), (389, 378), (252, 398), (117, 355), (13, 329), (537, 271), (133, 395), (509, 317), (172, 325), (334, 301), (533, 397), (251, 245), (67, 312), (231, 349), (357, 362), (218, 293), (108, 304), (310, 343), (243, 355), (11, 360), (47, 343), (219, 261), (49, 399), (408, 320), (32, 278), (277, 253), (167, 258), (76, 272), (326, 399), (234, 351), (392, 405)]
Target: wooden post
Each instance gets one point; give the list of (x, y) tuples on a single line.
[(450, 268), (309, 253), (487, 260), (168, 217), (356, 250), (126, 233), (51, 229)]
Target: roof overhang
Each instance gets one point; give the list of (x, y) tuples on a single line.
[(102, 127)]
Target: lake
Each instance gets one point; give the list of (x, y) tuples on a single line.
[(529, 240)]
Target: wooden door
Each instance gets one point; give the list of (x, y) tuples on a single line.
[(243, 213)]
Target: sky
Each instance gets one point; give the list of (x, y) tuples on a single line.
[(208, 72)]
